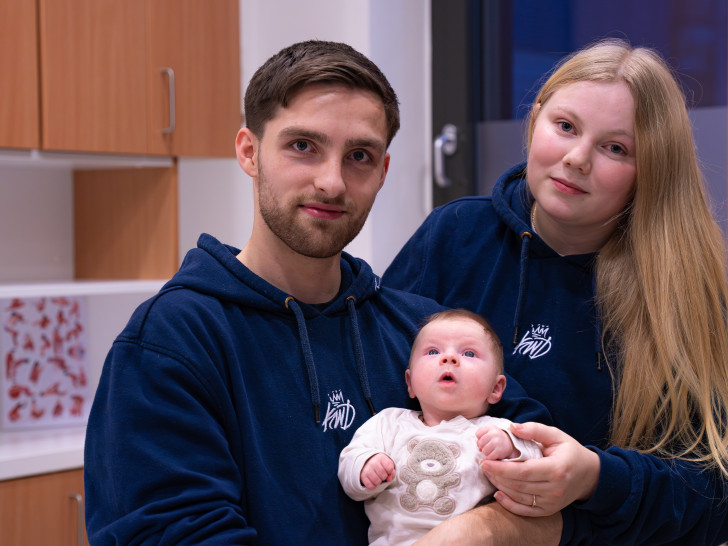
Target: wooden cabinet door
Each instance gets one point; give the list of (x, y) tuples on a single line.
[(46, 509), (19, 122), (93, 76), (199, 40)]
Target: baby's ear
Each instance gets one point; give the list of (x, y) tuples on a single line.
[(498, 388), (408, 380)]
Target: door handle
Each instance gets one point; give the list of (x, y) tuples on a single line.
[(79, 517), (172, 107), (446, 144)]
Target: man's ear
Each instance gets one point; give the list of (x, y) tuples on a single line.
[(384, 171), (246, 149), (498, 388)]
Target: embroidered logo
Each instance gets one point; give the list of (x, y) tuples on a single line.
[(534, 342), (339, 413)]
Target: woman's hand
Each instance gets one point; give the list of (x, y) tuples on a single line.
[(540, 487)]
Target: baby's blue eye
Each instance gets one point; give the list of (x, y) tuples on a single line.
[(433, 352), (469, 354)]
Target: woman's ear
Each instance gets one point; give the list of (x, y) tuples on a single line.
[(246, 149)]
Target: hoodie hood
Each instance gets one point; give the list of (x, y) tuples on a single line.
[(213, 269)]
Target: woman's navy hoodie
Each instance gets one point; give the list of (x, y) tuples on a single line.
[(482, 254), (224, 404)]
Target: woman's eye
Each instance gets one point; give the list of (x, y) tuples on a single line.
[(617, 149), (433, 352), (469, 354), (565, 126)]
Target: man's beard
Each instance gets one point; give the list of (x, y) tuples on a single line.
[(310, 237)]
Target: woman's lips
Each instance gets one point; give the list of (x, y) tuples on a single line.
[(566, 187)]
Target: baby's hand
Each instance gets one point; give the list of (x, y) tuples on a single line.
[(495, 443), (377, 469)]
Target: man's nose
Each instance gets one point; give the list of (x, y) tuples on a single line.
[(329, 179)]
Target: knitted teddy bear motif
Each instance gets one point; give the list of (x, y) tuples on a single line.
[(429, 474)]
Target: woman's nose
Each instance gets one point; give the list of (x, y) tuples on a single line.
[(579, 157)]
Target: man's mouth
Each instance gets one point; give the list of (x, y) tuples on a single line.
[(322, 210)]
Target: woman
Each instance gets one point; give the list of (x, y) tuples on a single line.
[(599, 259)]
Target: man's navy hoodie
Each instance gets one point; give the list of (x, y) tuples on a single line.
[(481, 253), (224, 404)]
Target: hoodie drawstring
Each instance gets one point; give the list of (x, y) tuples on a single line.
[(523, 282), (308, 355), (597, 327), (359, 354)]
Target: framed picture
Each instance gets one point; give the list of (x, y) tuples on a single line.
[(43, 347)]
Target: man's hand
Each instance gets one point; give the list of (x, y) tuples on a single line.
[(493, 525)]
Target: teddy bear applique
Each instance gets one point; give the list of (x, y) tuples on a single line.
[(429, 474)]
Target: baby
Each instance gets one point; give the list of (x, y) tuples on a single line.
[(416, 469)]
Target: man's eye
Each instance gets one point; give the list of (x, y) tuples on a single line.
[(301, 145), (469, 354), (433, 352), (359, 155)]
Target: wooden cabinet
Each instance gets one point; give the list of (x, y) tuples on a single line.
[(45, 509), (19, 122), (92, 66), (140, 76), (199, 41)]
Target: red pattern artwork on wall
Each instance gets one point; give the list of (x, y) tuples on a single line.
[(43, 347)]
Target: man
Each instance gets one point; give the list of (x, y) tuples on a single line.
[(225, 402)]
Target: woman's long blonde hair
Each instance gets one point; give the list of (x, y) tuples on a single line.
[(661, 278)]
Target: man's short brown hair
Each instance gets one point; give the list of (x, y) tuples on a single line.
[(314, 61)]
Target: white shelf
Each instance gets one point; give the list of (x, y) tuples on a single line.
[(28, 453), (79, 288), (54, 160)]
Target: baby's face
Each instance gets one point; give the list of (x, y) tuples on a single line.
[(453, 371)]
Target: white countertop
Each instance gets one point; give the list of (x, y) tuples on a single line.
[(31, 452)]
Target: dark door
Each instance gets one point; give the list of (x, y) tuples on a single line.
[(489, 55)]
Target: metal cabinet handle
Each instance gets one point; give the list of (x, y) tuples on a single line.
[(172, 109), (445, 145), (79, 501)]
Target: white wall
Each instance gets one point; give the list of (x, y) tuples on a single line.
[(393, 34), (36, 223)]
